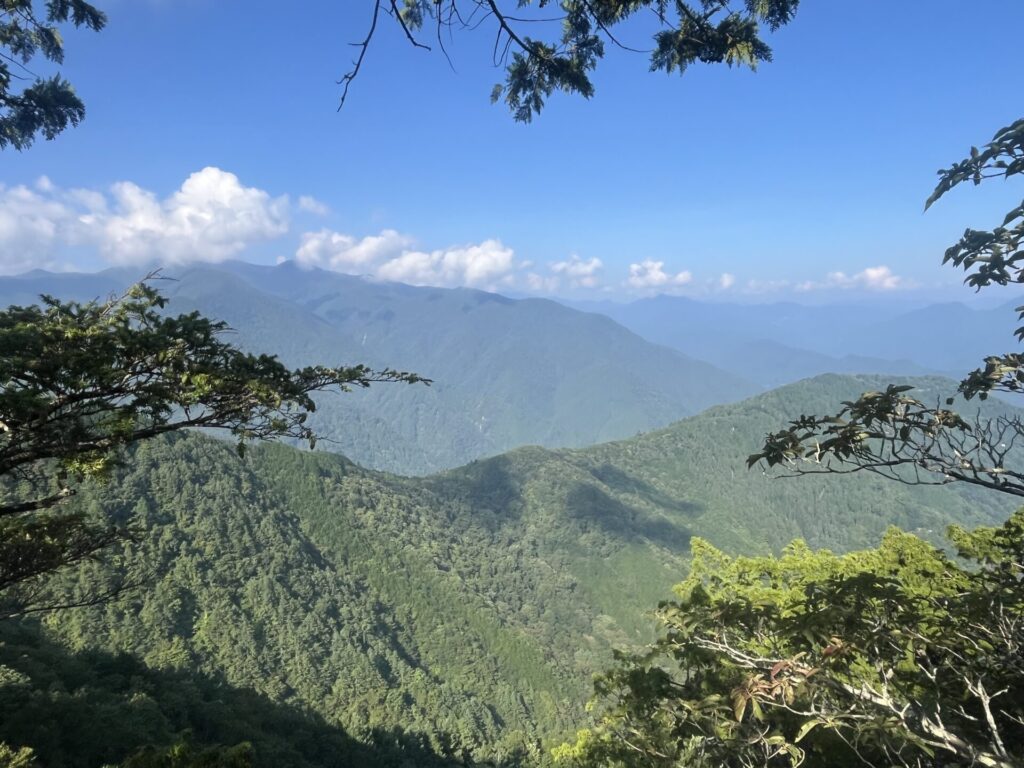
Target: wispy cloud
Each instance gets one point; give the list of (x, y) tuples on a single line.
[(880, 278), (312, 205)]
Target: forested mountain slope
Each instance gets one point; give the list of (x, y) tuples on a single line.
[(506, 372), (467, 609)]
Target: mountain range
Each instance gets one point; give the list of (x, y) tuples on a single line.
[(776, 343), (505, 372), (438, 587), (514, 372)]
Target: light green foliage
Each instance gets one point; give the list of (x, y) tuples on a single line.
[(549, 46), (16, 758), (79, 381), (48, 105), (895, 656), (898, 656)]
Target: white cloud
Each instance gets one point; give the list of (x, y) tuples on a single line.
[(880, 278), (391, 255), (344, 253), (579, 272), (651, 274), (211, 217), (482, 266), (33, 222), (312, 205), (726, 281)]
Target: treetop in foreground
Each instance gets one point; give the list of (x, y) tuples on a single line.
[(895, 656), (547, 46), (49, 104), (80, 381), (896, 435)]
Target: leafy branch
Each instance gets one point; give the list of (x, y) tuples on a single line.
[(567, 46)]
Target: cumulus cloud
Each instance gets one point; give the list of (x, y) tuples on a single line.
[(579, 272), (391, 255), (481, 266), (32, 223), (880, 278), (651, 274), (211, 217), (726, 281), (344, 253)]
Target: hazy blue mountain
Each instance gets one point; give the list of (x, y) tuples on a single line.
[(506, 372), (783, 342), (950, 336)]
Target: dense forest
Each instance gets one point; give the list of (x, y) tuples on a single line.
[(311, 607)]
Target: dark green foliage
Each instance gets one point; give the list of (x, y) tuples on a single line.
[(994, 256), (185, 755), (48, 105), (568, 38), (79, 381), (91, 708)]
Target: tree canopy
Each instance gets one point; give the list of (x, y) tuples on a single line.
[(78, 382), (547, 46), (895, 656), (47, 105)]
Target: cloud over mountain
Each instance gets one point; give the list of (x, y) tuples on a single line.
[(211, 217), (650, 274)]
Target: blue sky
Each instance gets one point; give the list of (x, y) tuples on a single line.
[(212, 133)]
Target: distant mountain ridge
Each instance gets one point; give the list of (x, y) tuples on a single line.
[(777, 343), (506, 372)]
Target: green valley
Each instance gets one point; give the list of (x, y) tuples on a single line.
[(454, 617)]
